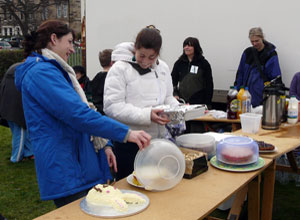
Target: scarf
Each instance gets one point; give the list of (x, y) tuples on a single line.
[(98, 142)]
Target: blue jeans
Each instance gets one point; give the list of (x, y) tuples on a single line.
[(21, 145)]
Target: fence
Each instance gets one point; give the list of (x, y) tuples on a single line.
[(75, 58)]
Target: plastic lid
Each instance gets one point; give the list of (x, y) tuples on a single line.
[(160, 166), (195, 140), (238, 141)]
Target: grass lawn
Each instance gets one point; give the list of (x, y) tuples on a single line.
[(19, 194)]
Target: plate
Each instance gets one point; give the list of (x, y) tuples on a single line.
[(237, 168), (268, 151), (110, 212), (130, 181)]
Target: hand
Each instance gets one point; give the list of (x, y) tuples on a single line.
[(111, 158), (158, 117), (141, 138)]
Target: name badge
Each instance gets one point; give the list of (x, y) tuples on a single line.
[(194, 69)]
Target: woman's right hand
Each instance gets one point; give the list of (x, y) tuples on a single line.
[(158, 117), (141, 138)]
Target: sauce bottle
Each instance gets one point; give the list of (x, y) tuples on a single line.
[(232, 103)]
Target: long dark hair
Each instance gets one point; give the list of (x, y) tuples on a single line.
[(39, 39), (192, 41), (149, 38)]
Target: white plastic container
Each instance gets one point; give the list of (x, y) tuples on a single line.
[(237, 150), (199, 142), (160, 166), (250, 122), (292, 117)]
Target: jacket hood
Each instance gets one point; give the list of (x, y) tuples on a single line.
[(22, 69), (269, 47), (123, 51)]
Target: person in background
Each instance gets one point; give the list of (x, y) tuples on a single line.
[(60, 122), (295, 86), (136, 83), (11, 109), (258, 66), (84, 81), (99, 79), (192, 75)]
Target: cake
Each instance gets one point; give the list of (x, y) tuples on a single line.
[(237, 155), (135, 180), (106, 195), (263, 146)]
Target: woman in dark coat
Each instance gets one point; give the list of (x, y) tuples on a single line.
[(192, 75)]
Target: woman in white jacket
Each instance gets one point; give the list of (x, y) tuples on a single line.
[(135, 85)]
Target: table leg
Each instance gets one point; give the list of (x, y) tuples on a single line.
[(237, 204), (254, 198), (293, 168), (268, 192)]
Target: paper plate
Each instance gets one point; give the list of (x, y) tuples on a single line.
[(237, 168), (110, 212)]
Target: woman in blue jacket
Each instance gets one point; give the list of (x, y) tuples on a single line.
[(60, 122), (259, 65)]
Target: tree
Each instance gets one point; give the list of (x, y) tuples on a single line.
[(27, 13)]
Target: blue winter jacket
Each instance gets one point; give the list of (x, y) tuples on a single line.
[(60, 125), (248, 73)]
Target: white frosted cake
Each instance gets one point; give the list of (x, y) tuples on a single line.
[(106, 195)]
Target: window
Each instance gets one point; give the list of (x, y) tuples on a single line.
[(58, 11), (5, 32), (10, 31), (65, 10), (45, 14)]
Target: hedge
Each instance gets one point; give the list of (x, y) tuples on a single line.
[(8, 58)]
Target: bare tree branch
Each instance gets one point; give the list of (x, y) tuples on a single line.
[(27, 13)]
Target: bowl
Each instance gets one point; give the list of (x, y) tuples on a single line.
[(199, 142), (237, 150), (250, 122), (160, 166)]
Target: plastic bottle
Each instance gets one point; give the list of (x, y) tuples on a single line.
[(246, 101), (292, 117), (232, 103), (240, 100)]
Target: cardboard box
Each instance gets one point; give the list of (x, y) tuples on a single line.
[(195, 162)]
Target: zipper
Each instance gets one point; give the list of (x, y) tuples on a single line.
[(159, 88)]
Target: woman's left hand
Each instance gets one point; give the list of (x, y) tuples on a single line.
[(158, 116), (111, 158)]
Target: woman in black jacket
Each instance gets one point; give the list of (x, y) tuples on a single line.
[(192, 75)]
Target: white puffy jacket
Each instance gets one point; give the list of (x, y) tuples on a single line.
[(129, 96)]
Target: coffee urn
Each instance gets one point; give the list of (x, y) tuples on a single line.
[(273, 108)]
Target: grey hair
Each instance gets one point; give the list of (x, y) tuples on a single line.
[(256, 31)]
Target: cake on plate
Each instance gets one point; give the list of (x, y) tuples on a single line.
[(135, 179), (237, 150), (237, 155), (107, 195)]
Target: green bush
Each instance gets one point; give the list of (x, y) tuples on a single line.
[(9, 57)]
